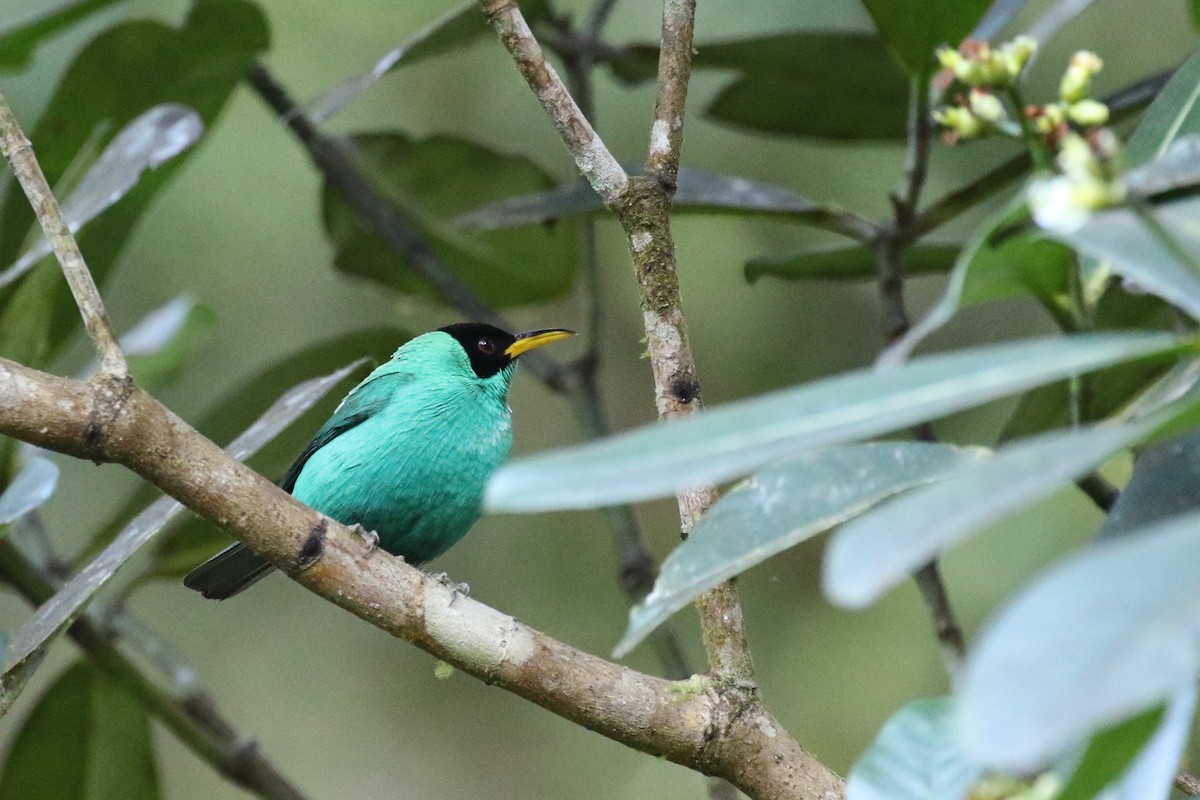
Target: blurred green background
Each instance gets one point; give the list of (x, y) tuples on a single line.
[(348, 712)]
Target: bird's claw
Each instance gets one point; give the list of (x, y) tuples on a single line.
[(370, 537), (456, 589)]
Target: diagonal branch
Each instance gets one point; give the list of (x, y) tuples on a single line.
[(19, 152), (188, 712), (709, 725)]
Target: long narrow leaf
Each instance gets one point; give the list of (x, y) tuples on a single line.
[(699, 191), (156, 136), (34, 485), (729, 442), (57, 612), (455, 29), (881, 549), (20, 42), (1103, 635), (785, 504), (917, 756), (1174, 113)]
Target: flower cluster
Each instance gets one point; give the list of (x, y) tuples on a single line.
[(1090, 177), (1086, 157), (977, 64), (1054, 120), (975, 71)]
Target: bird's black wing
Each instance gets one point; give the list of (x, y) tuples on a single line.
[(367, 399), (237, 567)]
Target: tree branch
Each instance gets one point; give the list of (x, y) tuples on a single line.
[(19, 152), (642, 205), (712, 726), (592, 158), (889, 248)]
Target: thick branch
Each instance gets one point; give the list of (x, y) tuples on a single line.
[(19, 152), (711, 726)]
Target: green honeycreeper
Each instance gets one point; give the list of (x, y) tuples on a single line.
[(407, 452)]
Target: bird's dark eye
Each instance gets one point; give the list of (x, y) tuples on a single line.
[(486, 346)]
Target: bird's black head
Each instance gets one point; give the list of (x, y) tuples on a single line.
[(492, 349), (486, 346)]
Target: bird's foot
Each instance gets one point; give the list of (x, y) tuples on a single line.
[(456, 589), (370, 537)]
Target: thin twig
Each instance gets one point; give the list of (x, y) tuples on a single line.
[(338, 169), (185, 709), (592, 158), (598, 17), (1187, 783), (1099, 491), (676, 382), (19, 152), (889, 249), (674, 75)]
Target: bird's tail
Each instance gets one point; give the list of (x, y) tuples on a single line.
[(228, 572)]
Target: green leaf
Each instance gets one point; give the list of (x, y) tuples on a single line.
[(780, 507), (791, 84), (917, 756), (20, 42), (1103, 635), (1165, 484), (52, 617), (1000, 260), (881, 549), (698, 191), (913, 29), (87, 739), (852, 262), (431, 181), (117, 77), (451, 32), (1174, 113), (34, 485), (727, 442), (1106, 391), (1109, 753), (1151, 776), (1155, 247), (146, 143)]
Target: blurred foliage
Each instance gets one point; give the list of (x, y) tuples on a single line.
[(88, 737), (432, 181), (809, 102)]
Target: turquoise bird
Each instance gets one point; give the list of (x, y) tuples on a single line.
[(407, 453)]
